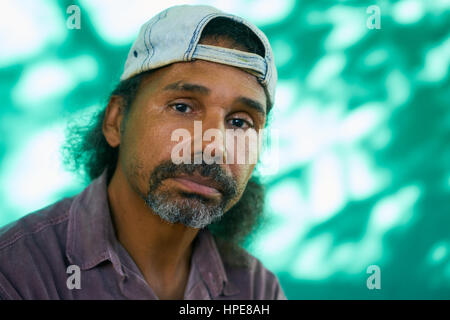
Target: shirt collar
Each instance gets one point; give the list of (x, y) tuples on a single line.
[(91, 240)]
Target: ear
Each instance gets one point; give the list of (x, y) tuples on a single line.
[(114, 114)]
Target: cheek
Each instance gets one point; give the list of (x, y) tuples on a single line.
[(152, 144), (146, 144), (242, 173), (243, 147)]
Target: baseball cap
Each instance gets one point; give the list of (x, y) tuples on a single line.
[(173, 36)]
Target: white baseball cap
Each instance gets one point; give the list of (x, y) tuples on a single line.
[(173, 35)]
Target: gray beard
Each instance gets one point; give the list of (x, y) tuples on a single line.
[(191, 210)]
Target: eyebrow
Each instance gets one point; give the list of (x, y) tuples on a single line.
[(184, 86), (253, 104)]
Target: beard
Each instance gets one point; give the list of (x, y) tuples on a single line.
[(190, 209)]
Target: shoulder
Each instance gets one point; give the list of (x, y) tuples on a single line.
[(250, 275), (31, 243), (34, 224)]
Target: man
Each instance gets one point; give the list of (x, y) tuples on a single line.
[(149, 227)]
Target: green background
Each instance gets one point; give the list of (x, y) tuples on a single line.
[(361, 114)]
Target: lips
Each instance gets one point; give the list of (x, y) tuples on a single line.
[(200, 185)]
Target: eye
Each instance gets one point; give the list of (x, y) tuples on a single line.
[(240, 123), (181, 107)]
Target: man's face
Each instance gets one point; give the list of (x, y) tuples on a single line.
[(221, 97)]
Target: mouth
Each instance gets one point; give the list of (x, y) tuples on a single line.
[(199, 185)]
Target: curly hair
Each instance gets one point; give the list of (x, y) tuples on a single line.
[(87, 152)]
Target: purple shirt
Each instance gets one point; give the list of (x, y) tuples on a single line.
[(36, 251)]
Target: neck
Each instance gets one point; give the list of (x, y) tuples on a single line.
[(160, 250)]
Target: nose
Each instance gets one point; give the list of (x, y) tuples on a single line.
[(209, 140)]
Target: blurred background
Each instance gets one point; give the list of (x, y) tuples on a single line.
[(362, 114)]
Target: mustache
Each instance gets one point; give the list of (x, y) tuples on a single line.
[(215, 172)]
